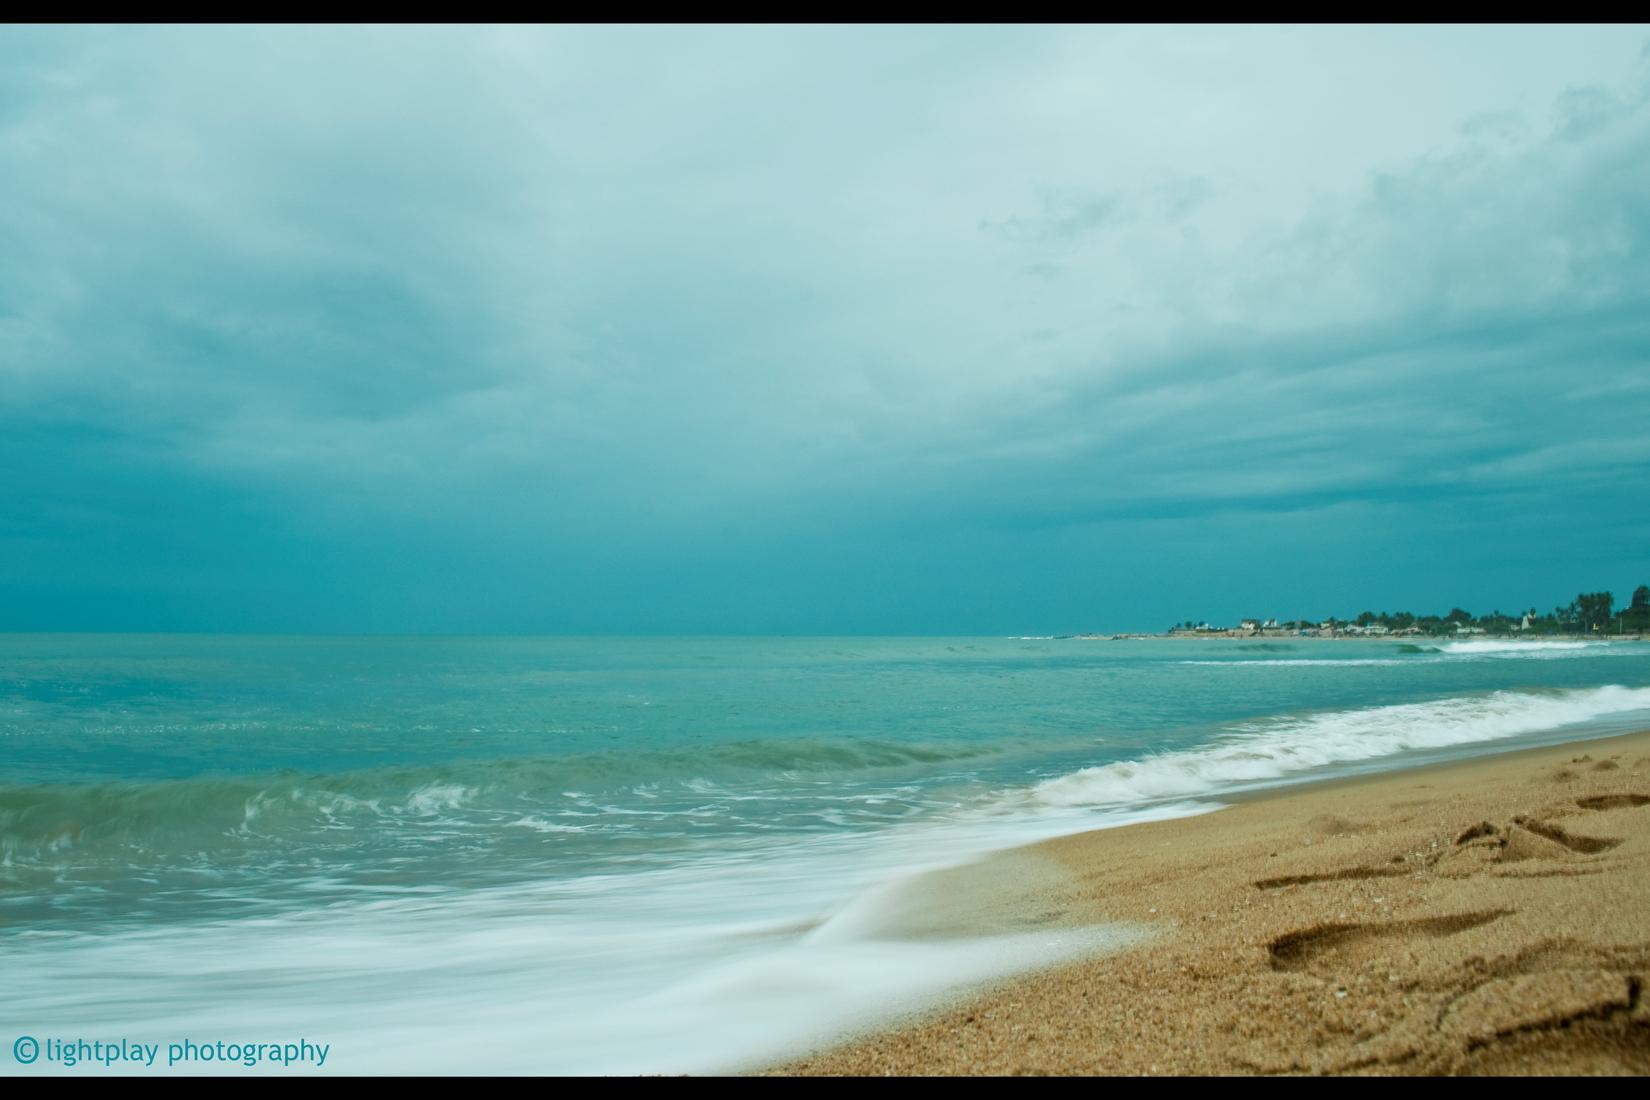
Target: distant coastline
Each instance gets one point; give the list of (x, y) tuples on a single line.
[(1342, 635), (1591, 616)]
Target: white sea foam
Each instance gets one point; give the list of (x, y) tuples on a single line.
[(1310, 662), (435, 797), (1281, 748), (1536, 649), (540, 825), (710, 964)]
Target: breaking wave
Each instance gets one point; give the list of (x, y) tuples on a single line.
[(1526, 649), (1279, 748), (37, 820)]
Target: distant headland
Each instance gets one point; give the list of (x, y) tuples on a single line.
[(1589, 615)]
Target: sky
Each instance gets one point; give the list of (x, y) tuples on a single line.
[(985, 330)]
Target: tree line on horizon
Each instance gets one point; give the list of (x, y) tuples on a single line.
[(1588, 613)]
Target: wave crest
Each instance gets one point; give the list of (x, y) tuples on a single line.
[(1276, 749), (38, 820)]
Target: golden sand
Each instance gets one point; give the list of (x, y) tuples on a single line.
[(1491, 916)]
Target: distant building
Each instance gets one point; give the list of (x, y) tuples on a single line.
[(1376, 628)]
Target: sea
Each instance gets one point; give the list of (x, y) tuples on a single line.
[(631, 855)]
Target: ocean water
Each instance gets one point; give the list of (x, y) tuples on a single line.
[(634, 855)]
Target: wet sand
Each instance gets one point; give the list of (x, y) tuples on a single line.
[(1490, 916)]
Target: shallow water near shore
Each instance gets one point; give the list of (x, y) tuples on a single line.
[(638, 855)]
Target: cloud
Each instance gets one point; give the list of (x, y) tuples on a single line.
[(1065, 220), (617, 291)]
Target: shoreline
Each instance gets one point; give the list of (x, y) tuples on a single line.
[(1398, 637), (1470, 916)]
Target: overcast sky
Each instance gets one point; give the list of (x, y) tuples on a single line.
[(818, 330)]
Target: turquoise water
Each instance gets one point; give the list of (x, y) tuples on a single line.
[(633, 854)]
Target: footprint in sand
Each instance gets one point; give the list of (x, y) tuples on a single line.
[(1521, 1003), (1324, 949), (1613, 801), (1349, 874), (1482, 829), (1532, 838), (1583, 845)]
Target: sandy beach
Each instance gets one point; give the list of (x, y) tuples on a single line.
[(1489, 916)]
